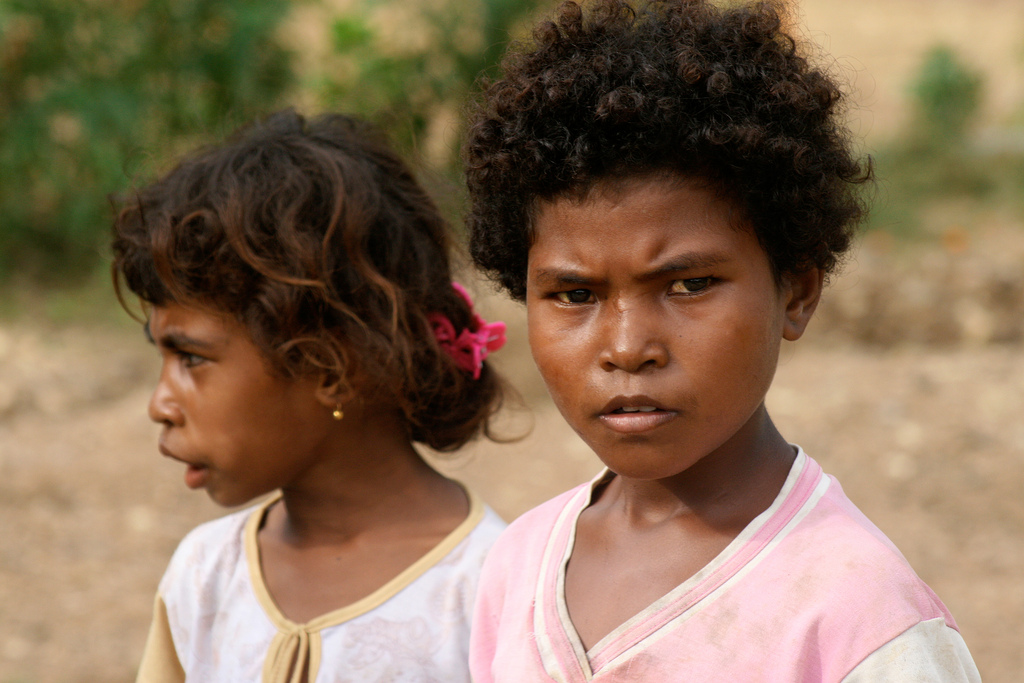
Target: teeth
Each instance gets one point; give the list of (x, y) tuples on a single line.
[(639, 409)]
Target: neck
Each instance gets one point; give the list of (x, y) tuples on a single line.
[(372, 478), (726, 489)]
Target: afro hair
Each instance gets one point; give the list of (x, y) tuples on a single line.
[(722, 94)]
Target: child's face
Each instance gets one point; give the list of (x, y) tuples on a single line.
[(656, 322), (241, 430)]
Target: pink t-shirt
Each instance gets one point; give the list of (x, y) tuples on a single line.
[(809, 591)]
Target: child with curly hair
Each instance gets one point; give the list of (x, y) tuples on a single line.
[(297, 286), (667, 186)]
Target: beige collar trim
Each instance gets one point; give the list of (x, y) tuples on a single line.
[(371, 601)]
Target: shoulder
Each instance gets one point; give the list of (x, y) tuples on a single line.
[(523, 543), (512, 568), (846, 582), (928, 651), (207, 552), (831, 549), (472, 541), (836, 555), (821, 588), (534, 525), (213, 611), (844, 544), (488, 528)]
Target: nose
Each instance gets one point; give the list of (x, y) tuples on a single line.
[(632, 339), (163, 408)]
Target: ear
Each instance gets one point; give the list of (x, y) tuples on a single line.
[(801, 293), (332, 393), (327, 394)]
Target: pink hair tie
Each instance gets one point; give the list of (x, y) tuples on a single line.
[(468, 349)]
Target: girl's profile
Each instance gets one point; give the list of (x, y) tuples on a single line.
[(297, 287)]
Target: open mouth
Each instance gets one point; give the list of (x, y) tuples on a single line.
[(637, 409), (196, 476)]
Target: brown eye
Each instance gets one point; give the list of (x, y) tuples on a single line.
[(574, 296), (690, 285), (190, 360)]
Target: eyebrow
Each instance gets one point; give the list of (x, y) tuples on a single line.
[(175, 340), (683, 263), (562, 276), (676, 264)]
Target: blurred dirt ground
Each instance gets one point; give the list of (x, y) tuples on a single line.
[(909, 388), (924, 434)]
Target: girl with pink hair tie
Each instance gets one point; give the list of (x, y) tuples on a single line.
[(296, 284)]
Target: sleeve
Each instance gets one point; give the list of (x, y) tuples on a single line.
[(928, 652), (159, 659)]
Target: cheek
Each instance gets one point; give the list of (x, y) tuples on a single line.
[(557, 353), (755, 343)]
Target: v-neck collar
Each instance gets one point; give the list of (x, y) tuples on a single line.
[(561, 649)]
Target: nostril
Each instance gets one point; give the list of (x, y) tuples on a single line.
[(638, 358)]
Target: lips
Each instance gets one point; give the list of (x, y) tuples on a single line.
[(167, 452), (635, 414), (195, 474)]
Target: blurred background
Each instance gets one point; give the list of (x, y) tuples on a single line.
[(909, 386)]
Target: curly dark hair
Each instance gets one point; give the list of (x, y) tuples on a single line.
[(611, 90), (319, 240)]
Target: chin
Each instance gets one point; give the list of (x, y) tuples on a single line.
[(645, 463), (641, 473), (225, 499), (236, 498)]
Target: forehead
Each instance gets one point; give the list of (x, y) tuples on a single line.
[(203, 323), (639, 220)]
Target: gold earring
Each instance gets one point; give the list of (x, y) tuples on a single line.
[(337, 413)]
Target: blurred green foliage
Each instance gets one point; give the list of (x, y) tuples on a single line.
[(98, 94), (88, 87), (409, 66), (937, 160), (946, 94)]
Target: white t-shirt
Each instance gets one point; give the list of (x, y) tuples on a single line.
[(214, 619)]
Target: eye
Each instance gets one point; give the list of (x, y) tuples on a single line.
[(574, 296), (690, 285), (190, 360)]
